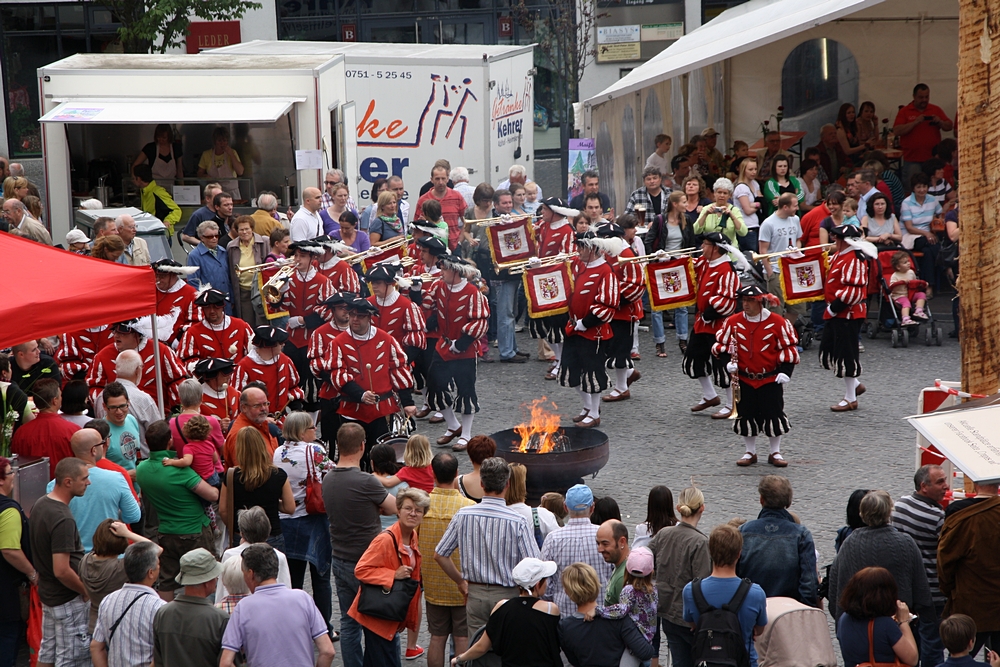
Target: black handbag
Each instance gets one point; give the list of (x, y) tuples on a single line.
[(390, 604)]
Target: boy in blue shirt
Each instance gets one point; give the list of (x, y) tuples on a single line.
[(958, 634)]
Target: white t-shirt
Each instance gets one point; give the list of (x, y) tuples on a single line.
[(661, 163), (780, 233), (305, 225), (743, 190), (547, 521)]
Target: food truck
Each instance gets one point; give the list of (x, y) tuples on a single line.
[(284, 115), (413, 104)]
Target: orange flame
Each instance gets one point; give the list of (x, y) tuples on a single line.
[(536, 435)]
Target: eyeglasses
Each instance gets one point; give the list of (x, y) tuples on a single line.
[(412, 510), (329, 182), (209, 236), (123, 406), (311, 428)]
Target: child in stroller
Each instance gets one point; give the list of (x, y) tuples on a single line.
[(906, 291)]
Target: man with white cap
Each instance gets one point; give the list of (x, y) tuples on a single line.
[(515, 631), (77, 241), (188, 631), (576, 542)]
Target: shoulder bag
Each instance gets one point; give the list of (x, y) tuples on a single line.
[(871, 651), (314, 488), (229, 518), (390, 604)]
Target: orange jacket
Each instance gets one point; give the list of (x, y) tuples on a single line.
[(378, 566)]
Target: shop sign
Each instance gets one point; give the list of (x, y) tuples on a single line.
[(204, 35), (613, 53), (618, 34)]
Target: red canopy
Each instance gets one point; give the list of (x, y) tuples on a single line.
[(45, 291)]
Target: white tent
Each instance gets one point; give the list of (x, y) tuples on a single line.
[(728, 74)]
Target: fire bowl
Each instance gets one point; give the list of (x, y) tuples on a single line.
[(587, 451)]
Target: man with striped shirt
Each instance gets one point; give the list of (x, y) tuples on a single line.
[(492, 539), (921, 516), (123, 635)]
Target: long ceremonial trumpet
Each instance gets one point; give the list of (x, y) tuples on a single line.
[(377, 249), (256, 268), (402, 261), (655, 257), (501, 219), (522, 266), (791, 251)]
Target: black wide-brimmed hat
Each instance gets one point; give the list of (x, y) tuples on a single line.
[(433, 245), (363, 306), (211, 297), (209, 368), (267, 336), (847, 231)]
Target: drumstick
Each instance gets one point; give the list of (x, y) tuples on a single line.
[(370, 383)]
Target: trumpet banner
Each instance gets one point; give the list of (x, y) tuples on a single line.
[(671, 283), (803, 279), (512, 241), (272, 311), (548, 290), (368, 262)]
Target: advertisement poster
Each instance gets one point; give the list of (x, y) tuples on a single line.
[(582, 156)]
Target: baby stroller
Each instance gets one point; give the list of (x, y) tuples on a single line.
[(796, 635), (887, 316)]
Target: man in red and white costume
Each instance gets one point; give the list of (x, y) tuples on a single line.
[(217, 335), (432, 248), (136, 335), (592, 306), (462, 316), (716, 300), (77, 350), (631, 287), (555, 235), (342, 275), (321, 361), (397, 315), (172, 292), (846, 294), (266, 363), (765, 358), (304, 294), (219, 397), (371, 376)]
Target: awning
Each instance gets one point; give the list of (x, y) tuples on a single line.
[(192, 110), (734, 31)]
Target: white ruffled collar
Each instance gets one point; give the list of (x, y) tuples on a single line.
[(390, 299)]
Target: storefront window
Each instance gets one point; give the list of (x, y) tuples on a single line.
[(38, 35)]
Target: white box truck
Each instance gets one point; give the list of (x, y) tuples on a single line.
[(412, 104)]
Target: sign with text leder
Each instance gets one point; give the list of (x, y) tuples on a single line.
[(662, 31), (969, 438), (613, 53), (204, 35), (618, 34)]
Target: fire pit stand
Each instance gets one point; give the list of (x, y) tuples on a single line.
[(586, 452)]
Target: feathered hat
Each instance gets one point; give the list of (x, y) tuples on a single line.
[(611, 245), (757, 294), (171, 266), (559, 207), (460, 266)]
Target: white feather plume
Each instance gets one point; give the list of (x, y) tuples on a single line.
[(738, 256), (164, 325), (864, 246), (179, 270)]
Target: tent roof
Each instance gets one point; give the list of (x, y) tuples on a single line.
[(47, 291), (734, 31)]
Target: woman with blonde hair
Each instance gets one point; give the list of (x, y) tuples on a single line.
[(15, 187), (681, 554), (748, 198), (108, 247), (256, 482), (416, 470), (540, 520), (331, 216), (386, 224), (34, 206)]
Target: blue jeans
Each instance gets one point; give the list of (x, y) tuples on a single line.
[(380, 652), (680, 640), (10, 636), (350, 630), (505, 293), (749, 242), (818, 308), (928, 639), (680, 316)]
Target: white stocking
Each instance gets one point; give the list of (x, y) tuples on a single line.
[(729, 397), (585, 398), (450, 419), (621, 379), (852, 387), (467, 426), (775, 444), (707, 390), (751, 443), (557, 350), (595, 406)]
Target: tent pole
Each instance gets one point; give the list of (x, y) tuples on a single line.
[(156, 366)]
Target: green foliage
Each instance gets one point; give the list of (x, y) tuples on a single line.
[(156, 25)]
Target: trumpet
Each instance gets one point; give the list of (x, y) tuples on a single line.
[(655, 257), (257, 268), (271, 291), (402, 261), (524, 265), (377, 249), (502, 219), (790, 251)]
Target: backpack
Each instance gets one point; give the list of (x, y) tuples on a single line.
[(718, 637)]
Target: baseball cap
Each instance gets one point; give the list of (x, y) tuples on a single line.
[(640, 562), (709, 132), (197, 567), (76, 236), (530, 571), (579, 497)]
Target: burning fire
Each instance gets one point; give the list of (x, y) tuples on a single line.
[(539, 434)]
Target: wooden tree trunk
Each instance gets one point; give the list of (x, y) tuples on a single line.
[(978, 129)]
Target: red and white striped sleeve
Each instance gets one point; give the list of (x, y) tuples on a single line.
[(723, 336), (345, 361), (318, 353), (477, 317), (399, 369), (787, 341), (414, 328), (853, 280), (607, 298), (724, 300), (632, 284)]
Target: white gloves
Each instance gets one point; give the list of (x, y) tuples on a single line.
[(453, 349), (782, 379), (296, 322), (660, 254), (534, 261), (731, 367), (832, 314), (579, 326)]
